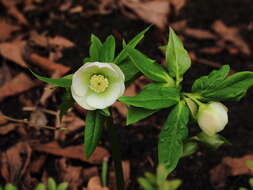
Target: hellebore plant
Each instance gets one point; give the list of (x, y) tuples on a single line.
[(101, 81)]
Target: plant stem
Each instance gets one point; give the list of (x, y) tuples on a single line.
[(104, 172), (116, 155)]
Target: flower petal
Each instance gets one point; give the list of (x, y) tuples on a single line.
[(106, 99), (118, 70), (81, 100), (81, 78)]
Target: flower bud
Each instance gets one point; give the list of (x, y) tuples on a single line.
[(97, 85), (212, 117)]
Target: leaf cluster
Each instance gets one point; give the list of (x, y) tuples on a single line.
[(51, 185), (158, 181)]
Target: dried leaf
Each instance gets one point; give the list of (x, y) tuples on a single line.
[(231, 34), (18, 84), (60, 42), (5, 129), (76, 9), (71, 174), (95, 184), (6, 30), (14, 52), (73, 124), (15, 161), (46, 41), (47, 64), (38, 119), (126, 173), (178, 4), (154, 12), (73, 152), (231, 167), (199, 33), (211, 50)]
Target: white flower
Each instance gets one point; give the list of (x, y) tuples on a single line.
[(212, 117), (97, 85)]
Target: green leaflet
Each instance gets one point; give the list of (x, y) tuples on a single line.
[(129, 69), (108, 50), (177, 57), (61, 82), (158, 181), (123, 54), (249, 163), (95, 48), (105, 112), (233, 88), (41, 186), (67, 102), (103, 52), (51, 184), (145, 184), (149, 68), (136, 114), (154, 96), (174, 131), (190, 147), (63, 186), (216, 87), (212, 142), (10, 187), (92, 131), (211, 81)]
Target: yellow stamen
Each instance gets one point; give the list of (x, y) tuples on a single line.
[(98, 83)]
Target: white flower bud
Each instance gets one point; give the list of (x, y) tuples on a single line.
[(97, 85), (212, 117)]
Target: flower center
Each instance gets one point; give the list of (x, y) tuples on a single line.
[(98, 83)]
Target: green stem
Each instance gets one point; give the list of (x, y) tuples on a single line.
[(104, 172), (114, 141), (194, 97)]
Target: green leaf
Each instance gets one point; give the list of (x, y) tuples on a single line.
[(177, 57), (232, 88), (41, 186), (105, 112), (251, 182), (161, 174), (10, 187), (174, 131), (145, 184), (136, 114), (212, 142), (95, 48), (51, 184), (63, 186), (149, 68), (93, 130), (174, 184), (130, 70), (243, 188), (249, 163), (123, 54), (150, 177), (154, 96), (108, 50), (211, 81), (61, 82), (189, 148), (67, 102)]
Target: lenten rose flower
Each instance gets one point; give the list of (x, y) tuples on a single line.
[(97, 85), (212, 117)]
